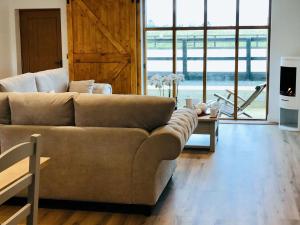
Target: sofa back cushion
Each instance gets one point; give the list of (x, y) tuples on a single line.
[(20, 83), (4, 109), (42, 109), (56, 80), (130, 111)]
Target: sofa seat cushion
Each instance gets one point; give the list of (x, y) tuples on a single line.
[(42, 109), (129, 111), (56, 80), (20, 83), (4, 109)]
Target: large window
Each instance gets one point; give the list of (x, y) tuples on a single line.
[(214, 49)]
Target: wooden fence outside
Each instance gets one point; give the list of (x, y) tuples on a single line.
[(213, 44)]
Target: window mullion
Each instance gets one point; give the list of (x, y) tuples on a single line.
[(174, 47), (205, 52), (236, 73)]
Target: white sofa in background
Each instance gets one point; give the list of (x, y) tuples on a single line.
[(56, 80)]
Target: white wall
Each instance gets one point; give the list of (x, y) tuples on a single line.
[(5, 64), (285, 41), (10, 17)]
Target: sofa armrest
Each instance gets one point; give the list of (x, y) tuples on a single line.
[(162, 147), (176, 133), (167, 142), (102, 88), (182, 124)]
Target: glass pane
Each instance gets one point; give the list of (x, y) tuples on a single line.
[(190, 13), (159, 13), (221, 12), (190, 66), (221, 67), (254, 12), (253, 60), (159, 62)]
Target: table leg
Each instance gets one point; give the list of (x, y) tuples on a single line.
[(213, 136)]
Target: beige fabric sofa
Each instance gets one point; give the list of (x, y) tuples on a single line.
[(56, 80), (103, 148)]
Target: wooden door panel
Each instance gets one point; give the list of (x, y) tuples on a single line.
[(115, 16), (87, 37), (102, 42), (86, 71), (112, 73), (40, 40)]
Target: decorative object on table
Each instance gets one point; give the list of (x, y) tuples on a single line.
[(214, 109), (213, 112), (203, 107), (166, 81), (199, 111), (189, 103), (156, 81), (177, 78), (195, 105)]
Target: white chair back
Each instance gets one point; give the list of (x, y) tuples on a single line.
[(30, 180)]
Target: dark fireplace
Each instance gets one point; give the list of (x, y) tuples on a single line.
[(288, 81)]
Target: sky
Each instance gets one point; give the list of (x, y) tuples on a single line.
[(220, 12)]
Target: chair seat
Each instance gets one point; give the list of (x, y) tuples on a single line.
[(227, 110)]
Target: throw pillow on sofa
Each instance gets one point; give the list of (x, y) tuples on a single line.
[(83, 86), (56, 80), (42, 109), (4, 109), (23, 83)]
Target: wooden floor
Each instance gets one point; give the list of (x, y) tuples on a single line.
[(252, 179)]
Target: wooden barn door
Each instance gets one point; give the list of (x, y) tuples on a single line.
[(102, 42)]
